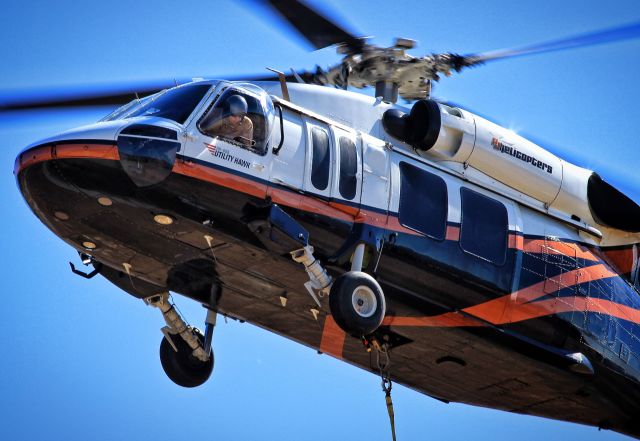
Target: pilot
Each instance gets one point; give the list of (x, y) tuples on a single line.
[(236, 124)]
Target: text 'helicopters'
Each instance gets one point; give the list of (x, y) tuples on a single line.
[(491, 271)]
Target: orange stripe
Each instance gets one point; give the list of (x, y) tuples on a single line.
[(333, 337), (353, 211), (315, 205), (558, 248), (31, 157), (208, 174), (516, 241), (393, 223), (229, 180), (64, 151), (523, 312), (283, 197), (614, 309), (453, 233), (517, 306), (81, 151), (371, 217), (621, 259), (501, 310), (571, 304)]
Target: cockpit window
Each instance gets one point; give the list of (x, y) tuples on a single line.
[(175, 104), (122, 111), (242, 115)]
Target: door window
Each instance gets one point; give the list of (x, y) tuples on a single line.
[(423, 201), (321, 158), (484, 229), (348, 168)]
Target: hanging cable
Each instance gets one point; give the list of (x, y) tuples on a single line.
[(384, 363)]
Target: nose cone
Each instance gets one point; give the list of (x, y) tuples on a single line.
[(146, 146), (58, 175), (100, 196), (101, 133)]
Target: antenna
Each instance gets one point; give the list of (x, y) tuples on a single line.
[(283, 84)]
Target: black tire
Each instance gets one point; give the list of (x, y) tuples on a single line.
[(357, 303), (182, 367)]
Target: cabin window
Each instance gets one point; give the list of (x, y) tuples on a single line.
[(321, 158), (423, 201), (484, 229), (348, 168)]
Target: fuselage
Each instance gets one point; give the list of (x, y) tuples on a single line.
[(495, 296)]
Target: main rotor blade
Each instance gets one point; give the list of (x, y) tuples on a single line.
[(96, 94), (78, 96), (71, 101), (316, 28), (618, 33)]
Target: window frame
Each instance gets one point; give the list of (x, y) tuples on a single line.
[(446, 199), (354, 143), (326, 163), (216, 97), (462, 213)]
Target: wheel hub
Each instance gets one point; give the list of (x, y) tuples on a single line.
[(364, 301)]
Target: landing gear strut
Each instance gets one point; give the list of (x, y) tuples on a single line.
[(185, 354)]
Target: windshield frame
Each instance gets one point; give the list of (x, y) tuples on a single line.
[(122, 111), (250, 90)]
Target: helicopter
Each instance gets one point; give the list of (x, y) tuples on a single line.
[(286, 225)]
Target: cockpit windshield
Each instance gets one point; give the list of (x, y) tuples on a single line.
[(175, 104), (122, 111)]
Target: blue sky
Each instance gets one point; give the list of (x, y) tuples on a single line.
[(81, 358)]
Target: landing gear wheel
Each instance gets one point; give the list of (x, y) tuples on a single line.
[(357, 303), (182, 367)]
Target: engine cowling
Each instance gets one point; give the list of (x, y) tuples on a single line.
[(485, 151), (431, 126)]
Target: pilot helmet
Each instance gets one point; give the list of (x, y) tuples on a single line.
[(237, 105)]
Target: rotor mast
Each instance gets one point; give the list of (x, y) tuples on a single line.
[(390, 70)]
